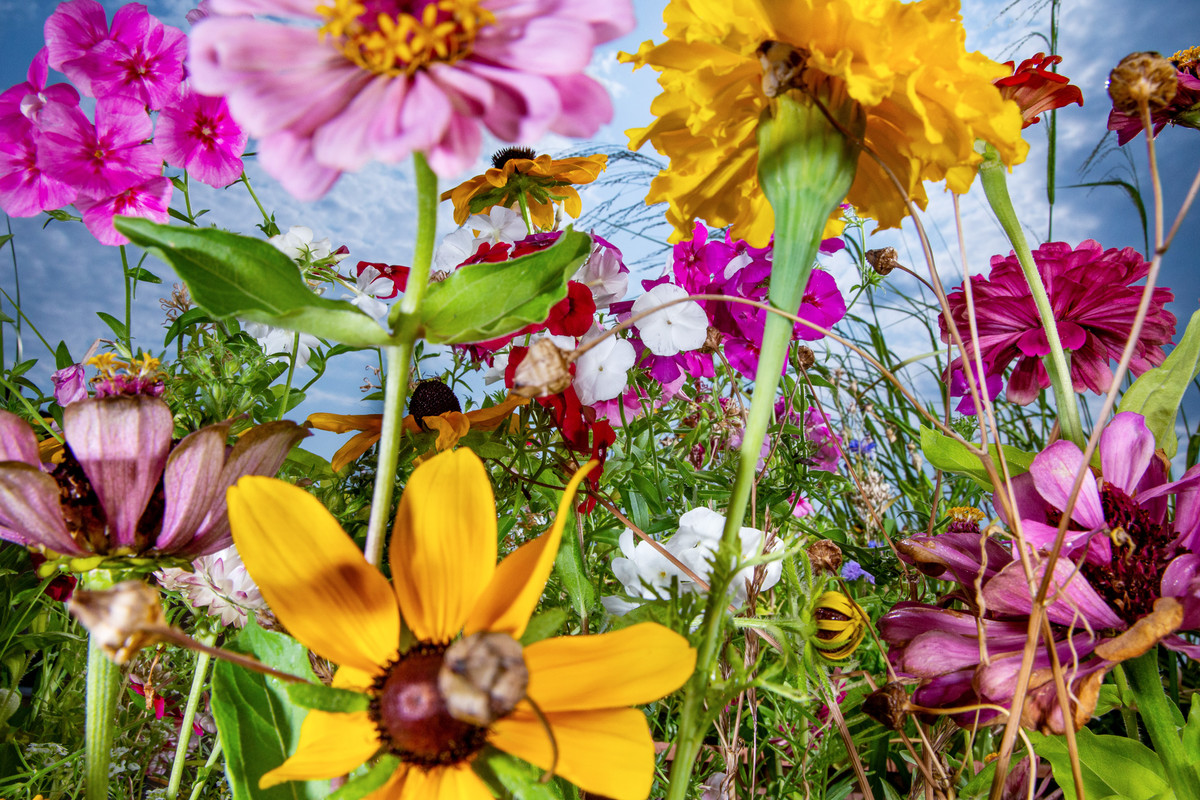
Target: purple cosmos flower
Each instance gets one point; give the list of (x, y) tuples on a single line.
[(402, 76), (1129, 577), (197, 133), (122, 488), (1094, 301), (101, 159), (138, 59), (149, 200)]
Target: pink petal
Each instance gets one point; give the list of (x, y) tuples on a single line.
[(1054, 470), (30, 513), (289, 159), (17, 442), (1126, 447), (190, 484), (1076, 602), (585, 106)]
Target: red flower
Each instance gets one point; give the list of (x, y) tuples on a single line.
[(397, 275), (1035, 89), (571, 316)]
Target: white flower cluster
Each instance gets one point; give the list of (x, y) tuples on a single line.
[(647, 574), (220, 583)]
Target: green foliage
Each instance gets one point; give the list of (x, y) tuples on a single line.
[(1158, 392), (1111, 766), (951, 456)]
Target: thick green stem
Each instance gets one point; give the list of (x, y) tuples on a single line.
[(1155, 710), (189, 714), (103, 688), (128, 304), (992, 174), (806, 166), (406, 322), (1128, 715)]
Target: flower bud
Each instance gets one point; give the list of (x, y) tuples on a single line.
[(825, 556), (543, 371), (841, 625), (483, 677), (883, 260), (712, 341), (121, 620), (1142, 78)]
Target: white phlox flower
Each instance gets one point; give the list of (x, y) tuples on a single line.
[(298, 245), (277, 343), (602, 372), (369, 286), (681, 327)]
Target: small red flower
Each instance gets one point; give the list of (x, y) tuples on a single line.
[(397, 275), (1036, 89), (571, 316)]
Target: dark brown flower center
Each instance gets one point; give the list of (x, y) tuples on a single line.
[(411, 715), (431, 398), (502, 157), (84, 516)]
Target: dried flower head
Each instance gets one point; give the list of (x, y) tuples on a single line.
[(1142, 78), (805, 358), (883, 260), (825, 556), (121, 620), (544, 371)]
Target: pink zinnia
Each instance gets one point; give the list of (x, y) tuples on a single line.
[(1094, 301), (198, 134), (139, 59), (386, 78), (148, 200), (103, 159)]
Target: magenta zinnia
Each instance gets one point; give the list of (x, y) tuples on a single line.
[(1094, 299), (382, 79)]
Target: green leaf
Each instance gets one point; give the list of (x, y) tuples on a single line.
[(1191, 732), (62, 356), (1109, 698), (238, 276), (259, 727), (571, 572), (5, 317), (544, 625), (949, 455), (1109, 765), (318, 697), (144, 275), (371, 780), (1156, 395), (508, 776), (484, 301), (5, 239), (117, 326)]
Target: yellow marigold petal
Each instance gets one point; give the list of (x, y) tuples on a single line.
[(443, 548), (330, 745), (607, 752), (312, 575), (492, 417), (450, 427), (457, 782), (575, 673), (513, 593)]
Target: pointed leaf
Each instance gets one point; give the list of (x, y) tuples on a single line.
[(1109, 765), (318, 697), (951, 456), (1157, 393)]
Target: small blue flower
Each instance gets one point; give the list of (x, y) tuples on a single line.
[(862, 447), (852, 570)]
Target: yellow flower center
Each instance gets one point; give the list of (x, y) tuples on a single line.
[(395, 37)]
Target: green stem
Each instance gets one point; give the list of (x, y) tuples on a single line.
[(1155, 710), (189, 714), (406, 322), (287, 386), (526, 214), (206, 770), (128, 304), (992, 174), (103, 689), (246, 182), (1128, 715)]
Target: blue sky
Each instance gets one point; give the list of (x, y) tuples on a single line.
[(65, 276)]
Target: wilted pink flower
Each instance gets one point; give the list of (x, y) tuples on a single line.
[(148, 200), (1094, 299), (197, 133), (384, 79), (139, 59), (122, 489), (103, 159), (70, 384)]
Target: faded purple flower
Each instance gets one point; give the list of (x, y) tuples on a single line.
[(197, 133), (122, 489), (852, 570), (70, 384)]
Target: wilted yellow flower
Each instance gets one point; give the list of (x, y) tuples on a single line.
[(925, 98)]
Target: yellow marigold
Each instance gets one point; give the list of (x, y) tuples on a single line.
[(541, 180), (926, 101)]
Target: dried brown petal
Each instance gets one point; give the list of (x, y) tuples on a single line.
[(543, 371), (883, 260), (121, 620), (483, 677), (782, 67), (825, 556), (888, 706), (1142, 78)]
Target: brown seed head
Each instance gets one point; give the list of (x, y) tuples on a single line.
[(483, 677), (122, 620), (1142, 78), (825, 556), (805, 357), (544, 371), (712, 341), (887, 705), (883, 260)]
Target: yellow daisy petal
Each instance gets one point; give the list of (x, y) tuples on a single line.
[(492, 417), (330, 745), (607, 752), (457, 782), (575, 673), (344, 423), (351, 450), (450, 427), (508, 602), (443, 548), (312, 575)]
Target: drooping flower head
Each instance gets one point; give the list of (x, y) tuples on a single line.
[(926, 101), (1094, 299), (517, 172), (1036, 88), (446, 585), (1180, 99), (122, 489), (383, 79)]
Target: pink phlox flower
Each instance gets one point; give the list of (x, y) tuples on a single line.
[(21, 105), (148, 200), (138, 59), (104, 158), (823, 305), (26, 189), (1094, 299), (991, 384), (323, 102), (801, 507), (197, 133)]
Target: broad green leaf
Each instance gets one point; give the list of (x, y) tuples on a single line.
[(318, 697), (485, 301), (948, 455), (1157, 393), (1109, 765), (62, 356), (1191, 732), (374, 778), (239, 276), (115, 324), (571, 572), (1110, 698), (509, 776), (259, 727)]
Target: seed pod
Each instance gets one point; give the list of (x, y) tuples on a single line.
[(805, 358), (1142, 78), (712, 341), (887, 705), (121, 620), (483, 677), (841, 625), (883, 260), (825, 556), (543, 371)]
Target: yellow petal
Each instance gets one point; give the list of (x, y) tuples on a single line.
[(330, 745), (575, 673), (492, 417), (606, 752), (443, 544), (457, 782), (312, 575), (450, 426), (344, 423), (508, 602), (351, 450)]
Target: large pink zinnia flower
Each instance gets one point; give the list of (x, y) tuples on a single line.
[(381, 79), (1094, 302)]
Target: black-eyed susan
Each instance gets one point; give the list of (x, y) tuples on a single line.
[(518, 176), (904, 65), (841, 625), (446, 583), (432, 407)]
